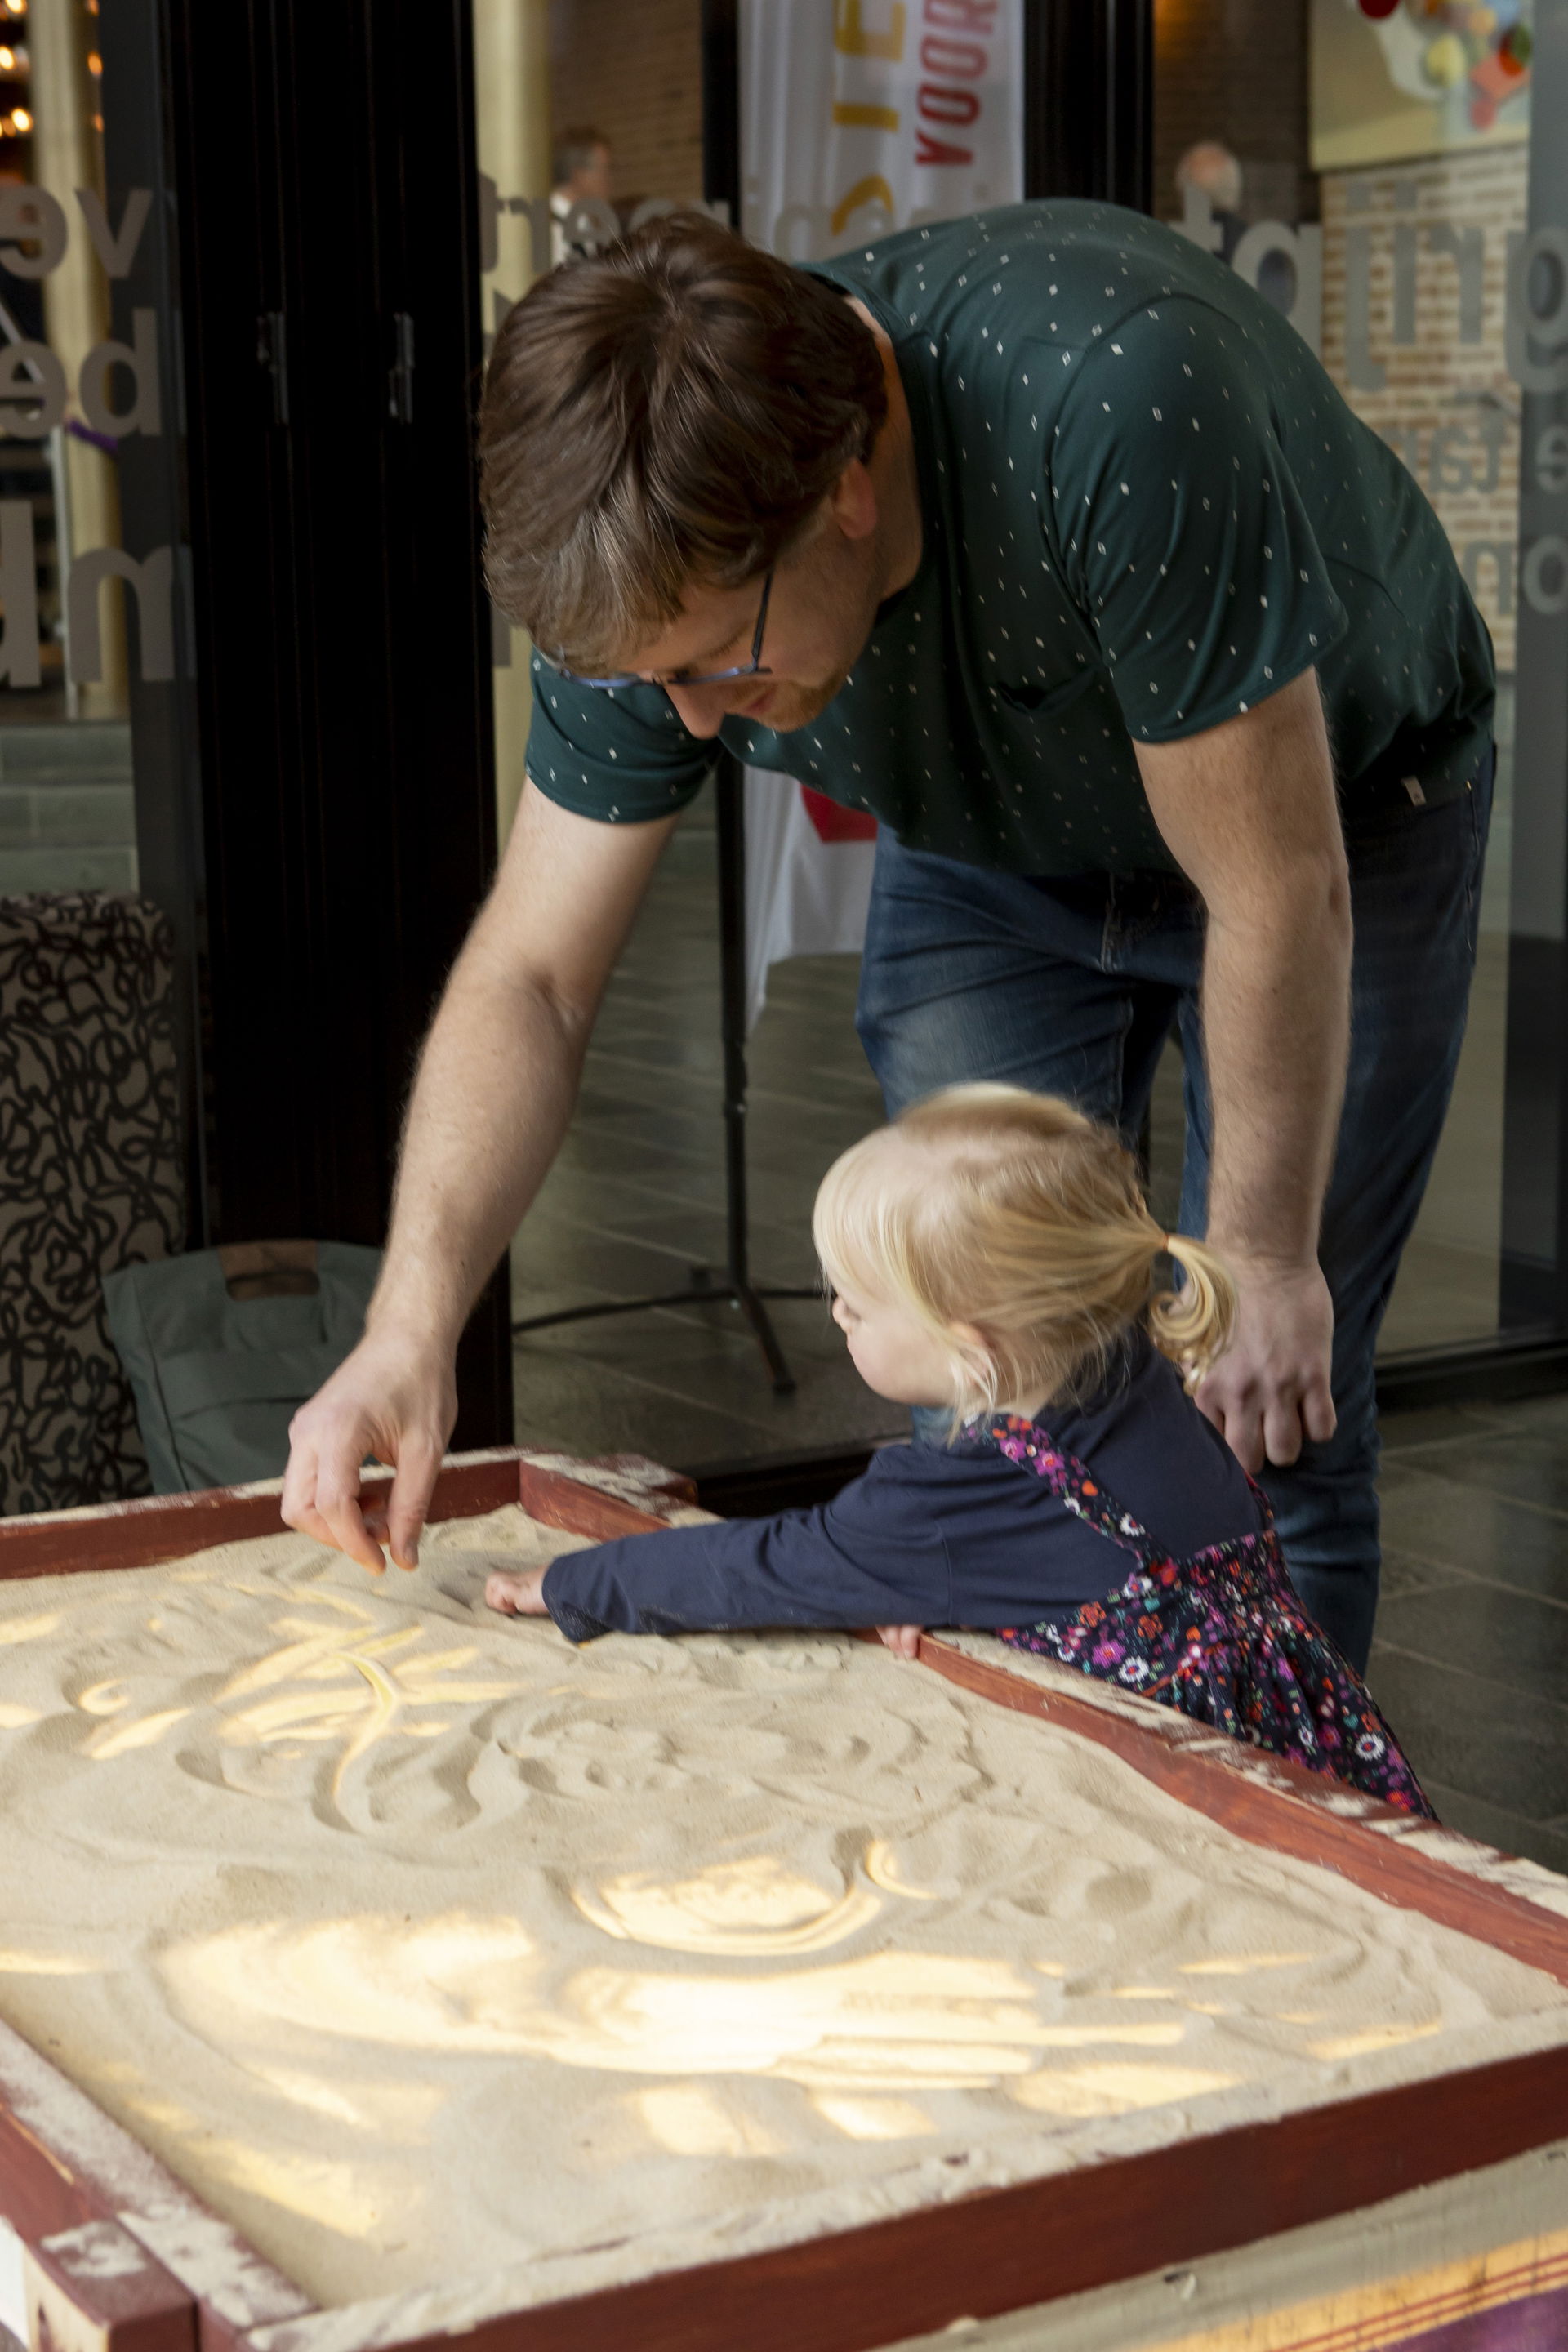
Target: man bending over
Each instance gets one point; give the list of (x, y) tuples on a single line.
[(1043, 537)]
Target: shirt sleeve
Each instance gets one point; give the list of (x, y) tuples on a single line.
[(615, 754), (1179, 527), (868, 1558)]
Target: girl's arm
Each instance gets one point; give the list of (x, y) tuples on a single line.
[(870, 1558)]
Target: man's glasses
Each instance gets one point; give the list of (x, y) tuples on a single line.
[(753, 668)]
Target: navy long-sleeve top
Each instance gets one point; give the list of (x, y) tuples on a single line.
[(930, 1535)]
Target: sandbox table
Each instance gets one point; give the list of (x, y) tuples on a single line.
[(103, 2250)]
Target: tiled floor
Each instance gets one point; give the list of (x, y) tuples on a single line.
[(1472, 1655)]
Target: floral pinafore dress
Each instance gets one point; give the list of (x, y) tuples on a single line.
[(1221, 1636)]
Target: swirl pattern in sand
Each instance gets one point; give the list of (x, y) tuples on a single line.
[(425, 1945)]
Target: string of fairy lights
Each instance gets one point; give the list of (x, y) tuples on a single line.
[(17, 120), (15, 68)]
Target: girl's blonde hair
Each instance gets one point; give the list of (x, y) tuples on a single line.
[(1011, 1212)]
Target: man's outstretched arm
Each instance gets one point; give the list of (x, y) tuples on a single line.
[(497, 1081), (1250, 813)]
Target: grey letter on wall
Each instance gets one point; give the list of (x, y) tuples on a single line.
[(29, 374), (153, 581), (1367, 374), (144, 413), (1467, 249), (32, 215), (116, 253), (1537, 311)]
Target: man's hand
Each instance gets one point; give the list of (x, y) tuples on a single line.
[(1248, 809), (1269, 1392), (904, 1641), (390, 1400)]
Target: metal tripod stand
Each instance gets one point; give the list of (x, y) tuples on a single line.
[(734, 1285)]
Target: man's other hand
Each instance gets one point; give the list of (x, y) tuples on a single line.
[(1269, 1393)]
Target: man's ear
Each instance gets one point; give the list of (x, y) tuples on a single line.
[(852, 501)]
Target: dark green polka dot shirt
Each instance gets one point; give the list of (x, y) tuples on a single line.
[(1145, 508)]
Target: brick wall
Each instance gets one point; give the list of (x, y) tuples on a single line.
[(1446, 403), (633, 68), (1235, 70)]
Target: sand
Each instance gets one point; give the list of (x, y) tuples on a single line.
[(454, 1963)]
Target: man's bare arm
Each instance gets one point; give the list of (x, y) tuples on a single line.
[(496, 1083), (1250, 813)]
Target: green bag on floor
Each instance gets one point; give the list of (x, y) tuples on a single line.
[(222, 1346)]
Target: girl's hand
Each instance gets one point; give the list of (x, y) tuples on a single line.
[(517, 1592), (904, 1641)]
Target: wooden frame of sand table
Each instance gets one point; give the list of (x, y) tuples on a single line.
[(111, 2253)]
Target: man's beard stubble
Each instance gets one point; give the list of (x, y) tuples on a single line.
[(797, 705)]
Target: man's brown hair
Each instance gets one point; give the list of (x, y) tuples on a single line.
[(667, 414)]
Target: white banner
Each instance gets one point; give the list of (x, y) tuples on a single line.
[(857, 117)]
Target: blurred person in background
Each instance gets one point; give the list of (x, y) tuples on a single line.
[(582, 168)]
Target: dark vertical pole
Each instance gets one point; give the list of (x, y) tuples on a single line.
[(722, 184), (1088, 100), (1130, 103), (722, 106), (729, 787)]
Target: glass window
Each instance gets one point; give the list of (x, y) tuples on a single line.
[(89, 411), (1368, 164)]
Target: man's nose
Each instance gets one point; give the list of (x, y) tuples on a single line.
[(701, 709)]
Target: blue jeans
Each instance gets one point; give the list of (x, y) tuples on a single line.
[(1072, 987)]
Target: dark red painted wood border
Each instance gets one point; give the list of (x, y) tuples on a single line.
[(170, 1526), (96, 2289), (559, 1500), (64, 2163)]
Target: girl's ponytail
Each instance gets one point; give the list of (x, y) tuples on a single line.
[(1194, 1324)]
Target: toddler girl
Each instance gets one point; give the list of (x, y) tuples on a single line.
[(990, 1252)]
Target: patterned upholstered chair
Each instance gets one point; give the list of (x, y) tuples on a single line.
[(90, 1180)]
